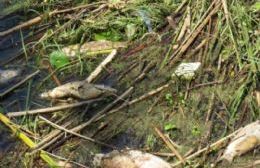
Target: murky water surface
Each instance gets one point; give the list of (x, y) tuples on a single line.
[(10, 48)]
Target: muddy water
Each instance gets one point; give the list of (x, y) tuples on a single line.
[(11, 45), (10, 48)]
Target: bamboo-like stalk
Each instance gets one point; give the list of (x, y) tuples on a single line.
[(15, 129)]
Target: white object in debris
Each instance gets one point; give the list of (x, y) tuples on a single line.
[(186, 70), (129, 159), (245, 140), (8, 74)]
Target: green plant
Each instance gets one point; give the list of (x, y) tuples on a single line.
[(169, 98), (169, 126), (195, 131)]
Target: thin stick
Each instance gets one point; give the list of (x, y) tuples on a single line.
[(141, 98), (202, 23), (101, 66), (169, 144), (208, 148), (163, 154), (74, 133), (46, 145), (152, 93), (38, 19), (254, 164), (19, 83), (181, 6), (51, 109), (67, 160), (51, 135), (97, 116), (226, 12), (82, 126)]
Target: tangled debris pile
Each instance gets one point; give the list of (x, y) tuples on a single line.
[(174, 79)]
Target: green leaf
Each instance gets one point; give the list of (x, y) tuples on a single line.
[(169, 126), (256, 6), (109, 35), (58, 59)]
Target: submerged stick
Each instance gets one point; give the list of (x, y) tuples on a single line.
[(82, 126), (50, 136), (19, 83), (74, 133), (67, 160), (169, 144), (141, 98), (208, 148), (51, 109), (108, 107), (101, 66), (27, 140)]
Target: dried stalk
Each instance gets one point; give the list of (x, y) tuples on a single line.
[(101, 66), (74, 133), (208, 148), (169, 144), (202, 23), (51, 109)]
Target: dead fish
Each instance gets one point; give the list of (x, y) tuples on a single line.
[(8, 74), (129, 159), (78, 89), (245, 140)]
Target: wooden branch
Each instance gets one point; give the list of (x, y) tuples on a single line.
[(169, 144)]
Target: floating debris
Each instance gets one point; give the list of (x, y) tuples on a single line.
[(129, 159), (187, 70), (245, 140), (8, 75)]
